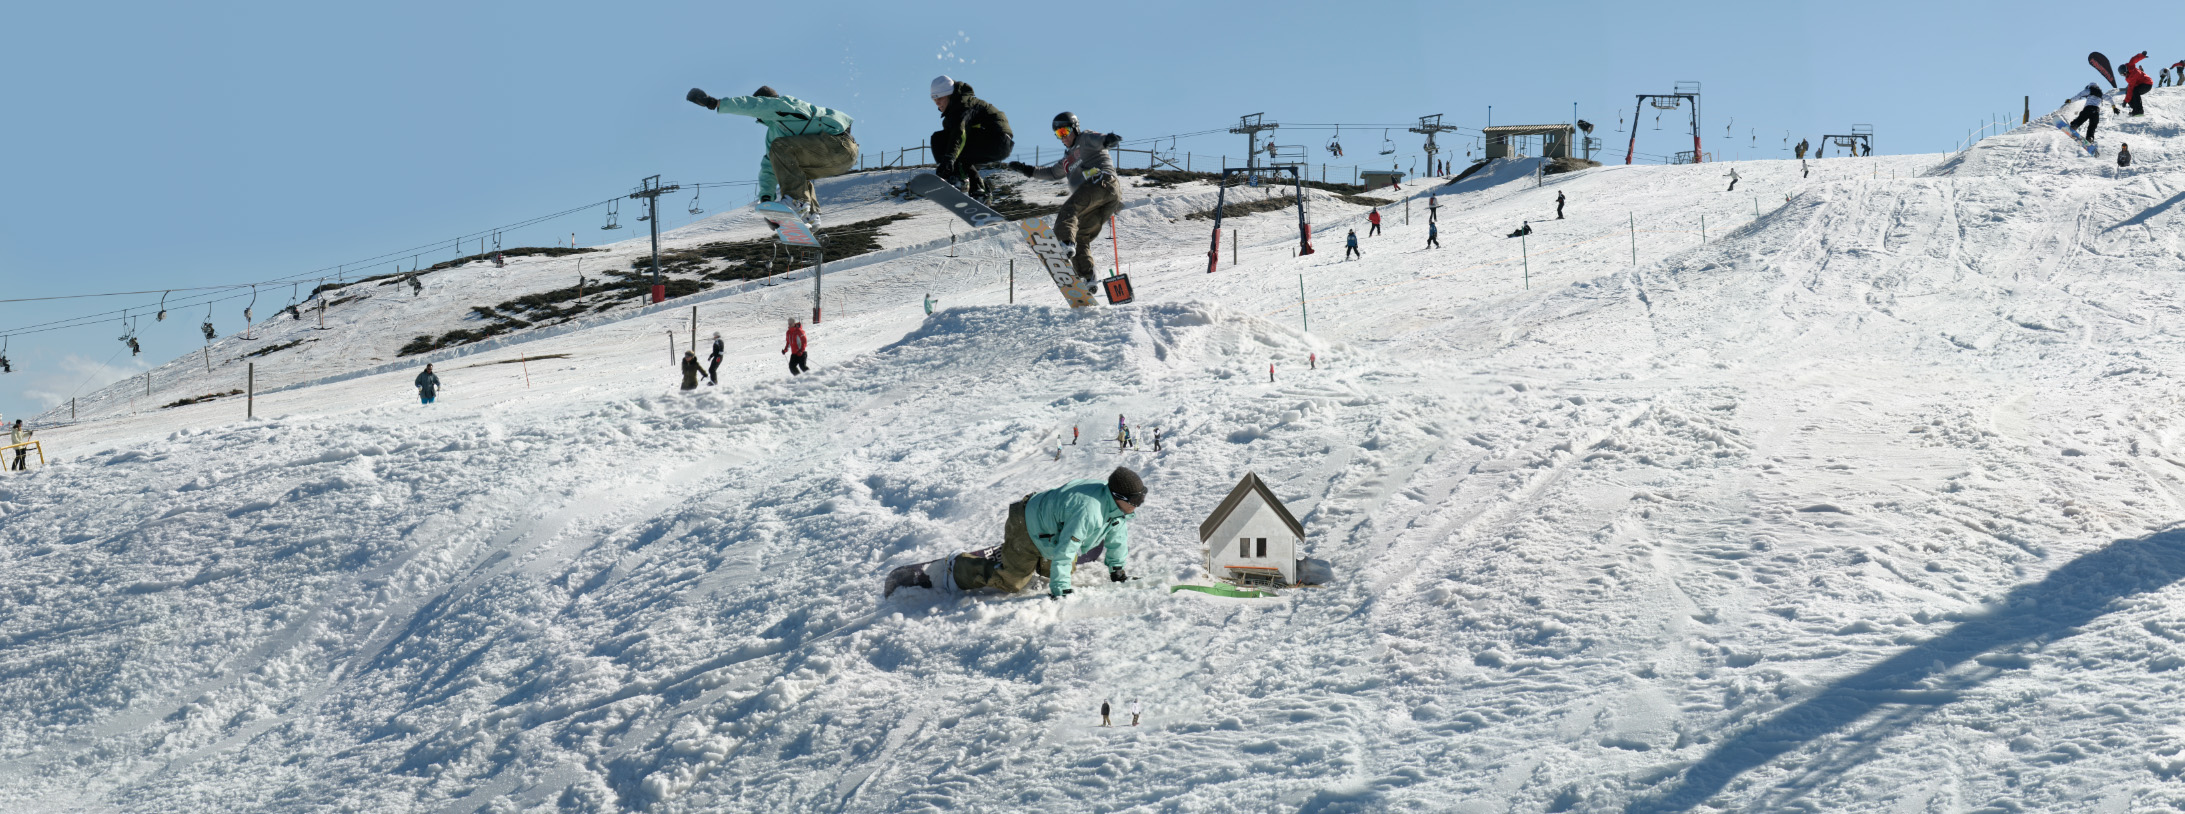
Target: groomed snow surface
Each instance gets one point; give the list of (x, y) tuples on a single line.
[(1866, 503)]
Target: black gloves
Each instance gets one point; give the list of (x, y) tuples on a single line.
[(1117, 575), (1111, 141), (1065, 592), (699, 98), (1022, 167)]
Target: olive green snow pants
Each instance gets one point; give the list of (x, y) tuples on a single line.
[(1082, 216), (1014, 566), (800, 160)]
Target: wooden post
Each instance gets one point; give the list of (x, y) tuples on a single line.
[(526, 362), (1634, 223), (671, 349), (694, 328), (1527, 257), (1703, 227), (208, 358), (250, 397), (1301, 311), (1233, 246), (1012, 281)]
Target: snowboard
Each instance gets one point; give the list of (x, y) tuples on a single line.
[(1037, 231), (2084, 144), (932, 574), (788, 226)]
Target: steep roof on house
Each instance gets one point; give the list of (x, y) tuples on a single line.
[(1249, 486)]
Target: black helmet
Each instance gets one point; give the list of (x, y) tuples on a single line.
[(1124, 485), (1064, 119)]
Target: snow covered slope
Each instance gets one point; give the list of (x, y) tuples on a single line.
[(1864, 502)]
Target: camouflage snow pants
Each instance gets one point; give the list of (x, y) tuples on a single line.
[(1013, 567)]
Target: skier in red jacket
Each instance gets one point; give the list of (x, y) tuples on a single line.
[(794, 346), (2137, 84), (1375, 220)]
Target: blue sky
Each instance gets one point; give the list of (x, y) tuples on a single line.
[(161, 145)]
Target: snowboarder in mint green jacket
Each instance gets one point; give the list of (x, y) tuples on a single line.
[(804, 142), (1048, 531)]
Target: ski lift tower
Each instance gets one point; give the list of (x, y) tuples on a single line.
[(1860, 141), (1429, 125), (650, 190), (1685, 92), (1251, 126)]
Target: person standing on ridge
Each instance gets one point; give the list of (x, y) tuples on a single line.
[(973, 132), (1374, 218), (2136, 85), (428, 386), (1104, 713), (794, 345), (1095, 195), (2089, 115), (691, 370), (713, 362), (1350, 246), (804, 143), (2124, 155), (1558, 204), (1049, 531), (1433, 235)]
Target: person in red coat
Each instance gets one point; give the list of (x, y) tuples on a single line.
[(2137, 84), (795, 348), (1375, 220)]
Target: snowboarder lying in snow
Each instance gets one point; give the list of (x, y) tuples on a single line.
[(1523, 230), (1048, 531)]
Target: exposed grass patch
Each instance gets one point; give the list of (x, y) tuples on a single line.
[(276, 348), (520, 360), (201, 399), (406, 276)]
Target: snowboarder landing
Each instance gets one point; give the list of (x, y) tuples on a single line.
[(973, 132), (428, 386), (1095, 195), (804, 142), (2136, 85), (1373, 219), (2090, 114), (1047, 531), (794, 345), (1350, 246)]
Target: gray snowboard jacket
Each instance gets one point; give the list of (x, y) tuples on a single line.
[(1086, 160)]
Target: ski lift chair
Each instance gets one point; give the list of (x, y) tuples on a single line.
[(1388, 145), (694, 201), (4, 366), (614, 210), (162, 306)]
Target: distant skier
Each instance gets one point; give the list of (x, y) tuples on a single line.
[(1733, 180), (691, 370), (1134, 712), (1374, 218), (1048, 531), (1103, 713), (1559, 204), (973, 132), (1095, 195), (1156, 439), (1433, 235), (17, 437), (428, 386), (1433, 208), (804, 142), (1350, 246), (2089, 115), (713, 362), (2136, 85), (2124, 155), (794, 345), (1524, 230), (1803, 170)]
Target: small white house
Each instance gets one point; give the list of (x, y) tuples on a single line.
[(1252, 538)]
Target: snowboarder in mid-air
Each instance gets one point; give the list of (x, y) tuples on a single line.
[(973, 132), (2136, 85), (804, 143), (1095, 194), (1047, 532)]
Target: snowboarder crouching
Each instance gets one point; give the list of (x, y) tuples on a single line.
[(804, 142), (2137, 84), (794, 345), (1048, 531), (428, 386), (1095, 195), (973, 132)]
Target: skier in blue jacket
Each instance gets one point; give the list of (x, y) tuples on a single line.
[(1048, 531), (804, 142)]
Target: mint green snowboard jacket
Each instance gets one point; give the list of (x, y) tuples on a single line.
[(784, 116), (1070, 520)]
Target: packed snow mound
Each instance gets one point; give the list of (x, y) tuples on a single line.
[(2157, 141)]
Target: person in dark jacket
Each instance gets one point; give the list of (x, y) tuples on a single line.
[(794, 345), (1558, 204), (713, 362), (1523, 230), (1433, 235), (691, 370), (1103, 713), (428, 386), (973, 132), (1350, 246), (2124, 155)]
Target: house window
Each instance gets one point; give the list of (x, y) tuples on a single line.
[(1244, 546), (1262, 547)]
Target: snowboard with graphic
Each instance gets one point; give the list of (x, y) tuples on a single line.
[(1039, 232), (2084, 144), (789, 227)]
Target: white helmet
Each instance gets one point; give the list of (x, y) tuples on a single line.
[(943, 86)]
